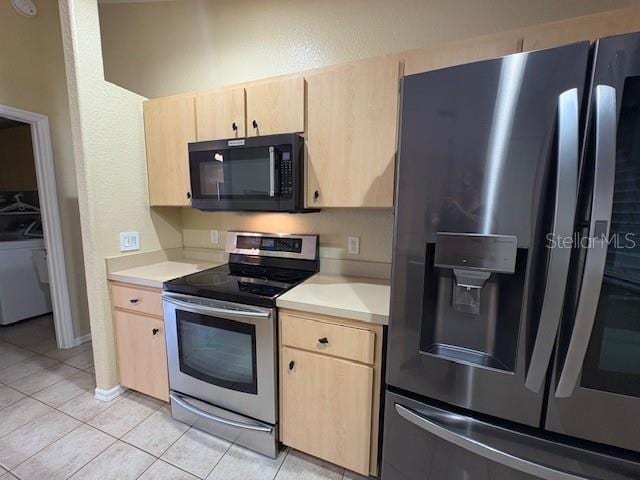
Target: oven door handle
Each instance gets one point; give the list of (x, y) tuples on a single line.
[(204, 310), (255, 426)]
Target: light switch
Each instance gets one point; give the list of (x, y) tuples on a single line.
[(215, 236), (129, 241), (354, 245)]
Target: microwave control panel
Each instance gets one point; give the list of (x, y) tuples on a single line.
[(286, 175)]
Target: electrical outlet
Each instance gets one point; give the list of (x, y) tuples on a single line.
[(129, 241), (354, 245), (215, 236)]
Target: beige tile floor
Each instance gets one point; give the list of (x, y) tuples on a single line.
[(52, 427)]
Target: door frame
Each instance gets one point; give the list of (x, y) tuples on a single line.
[(50, 213)]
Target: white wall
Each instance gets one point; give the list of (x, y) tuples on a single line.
[(108, 140), (161, 48), (32, 78)]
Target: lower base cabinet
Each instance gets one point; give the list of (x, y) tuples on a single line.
[(140, 340), (330, 388)]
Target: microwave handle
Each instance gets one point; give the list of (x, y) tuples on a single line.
[(272, 171)]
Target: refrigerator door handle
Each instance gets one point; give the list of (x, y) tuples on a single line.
[(435, 421), (563, 221), (600, 224)]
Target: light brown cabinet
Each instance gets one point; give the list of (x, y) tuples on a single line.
[(326, 402), (220, 114), (330, 387), (275, 106), (169, 125), (352, 113), (587, 27), (140, 339)]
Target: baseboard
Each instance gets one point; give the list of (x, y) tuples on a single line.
[(110, 394), (81, 339)]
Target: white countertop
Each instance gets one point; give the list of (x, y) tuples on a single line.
[(356, 298), (155, 274)]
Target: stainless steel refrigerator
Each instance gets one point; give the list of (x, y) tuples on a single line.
[(514, 337)]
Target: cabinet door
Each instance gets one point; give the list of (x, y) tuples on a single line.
[(587, 27), (351, 134), (326, 407), (473, 50), (169, 125), (275, 106), (142, 355), (220, 114)]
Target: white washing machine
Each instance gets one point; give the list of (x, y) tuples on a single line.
[(24, 282)]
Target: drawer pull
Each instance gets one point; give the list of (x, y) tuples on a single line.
[(292, 364), (134, 301), (323, 340), (155, 331)]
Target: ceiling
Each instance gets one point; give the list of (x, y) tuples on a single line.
[(6, 123)]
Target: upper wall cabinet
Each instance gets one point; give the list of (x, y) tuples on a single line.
[(588, 27), (170, 125), (275, 106), (352, 113), (220, 114), (473, 50)]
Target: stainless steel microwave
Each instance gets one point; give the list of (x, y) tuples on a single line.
[(251, 174)]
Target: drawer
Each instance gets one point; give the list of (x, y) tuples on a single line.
[(137, 299), (328, 338)]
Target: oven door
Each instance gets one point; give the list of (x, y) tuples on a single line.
[(222, 353)]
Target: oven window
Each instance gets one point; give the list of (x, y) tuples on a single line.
[(218, 351)]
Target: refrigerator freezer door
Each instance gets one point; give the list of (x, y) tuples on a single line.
[(425, 442), (595, 392), (479, 155)]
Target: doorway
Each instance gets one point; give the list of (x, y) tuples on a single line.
[(30, 230)]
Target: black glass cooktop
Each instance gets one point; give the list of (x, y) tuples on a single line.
[(235, 282)]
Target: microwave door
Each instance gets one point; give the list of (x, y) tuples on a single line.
[(595, 388)]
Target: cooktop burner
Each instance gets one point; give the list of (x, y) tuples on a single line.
[(257, 285), (261, 267)]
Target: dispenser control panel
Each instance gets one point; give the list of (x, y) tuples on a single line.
[(491, 253)]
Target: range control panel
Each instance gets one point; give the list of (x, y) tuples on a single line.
[(285, 245), (271, 244)]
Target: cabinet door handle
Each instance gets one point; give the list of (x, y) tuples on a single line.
[(234, 126), (133, 301), (316, 195), (255, 124), (189, 195), (292, 364), (155, 331), (323, 340)]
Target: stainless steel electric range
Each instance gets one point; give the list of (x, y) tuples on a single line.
[(221, 330)]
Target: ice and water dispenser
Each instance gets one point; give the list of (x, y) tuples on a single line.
[(473, 297)]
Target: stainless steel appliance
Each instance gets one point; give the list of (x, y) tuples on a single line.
[(514, 338), (257, 174), (221, 337)]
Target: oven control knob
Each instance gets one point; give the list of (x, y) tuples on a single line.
[(234, 126), (292, 364)]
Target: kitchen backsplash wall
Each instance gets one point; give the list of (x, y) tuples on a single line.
[(373, 226)]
